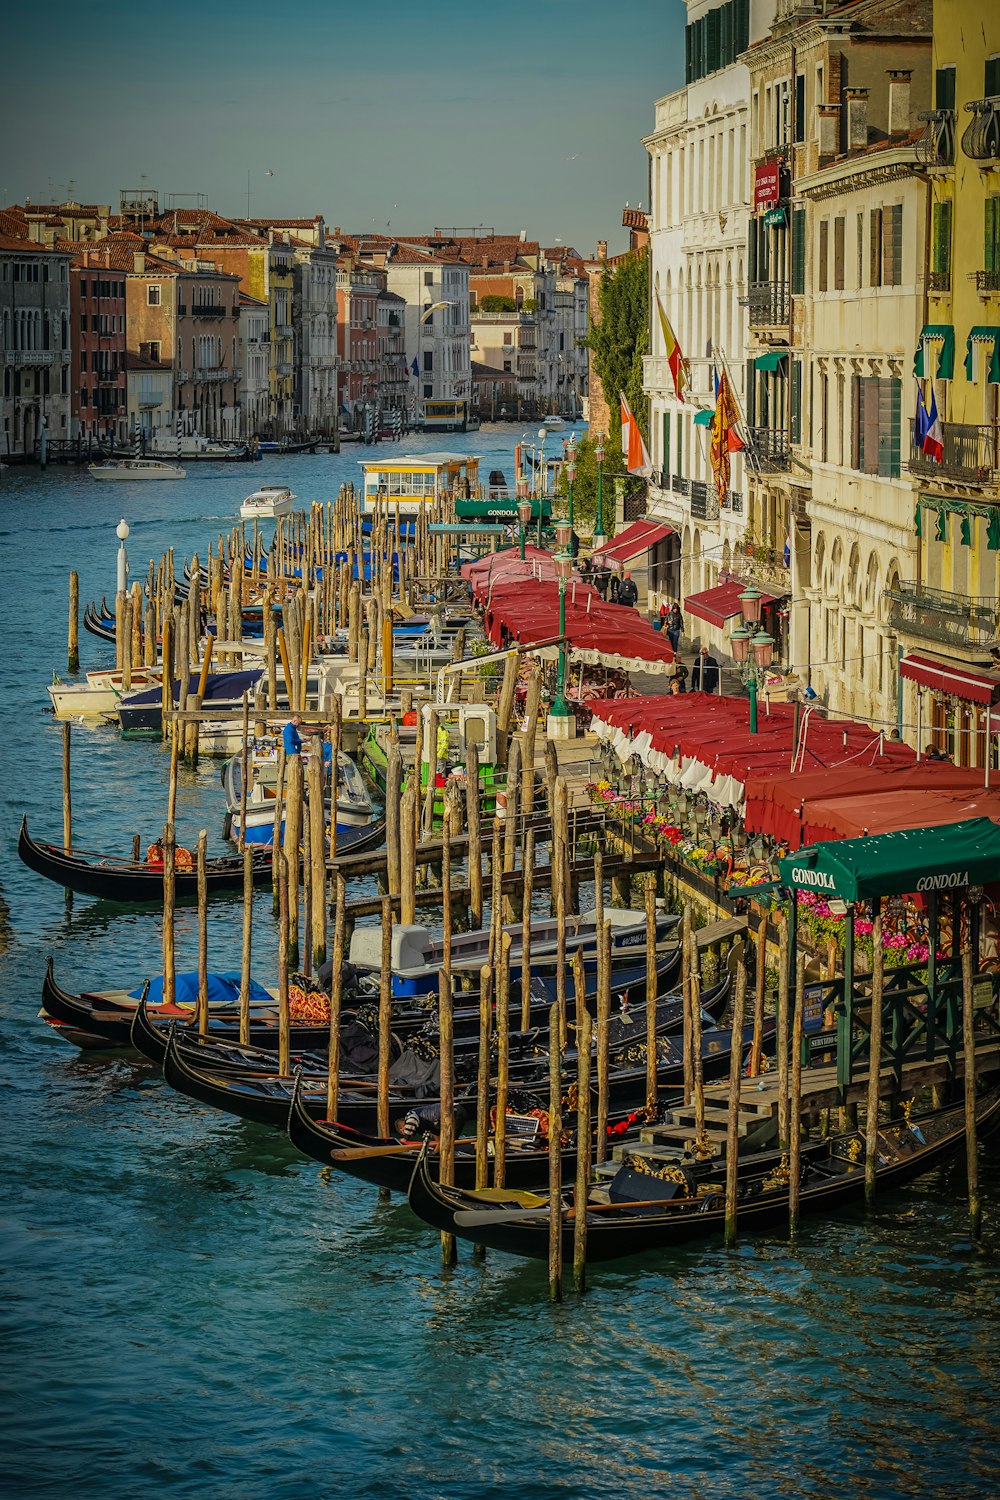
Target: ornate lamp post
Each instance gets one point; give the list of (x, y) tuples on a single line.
[(543, 433), (524, 519), (752, 648), (564, 567), (121, 532), (570, 476), (599, 455)]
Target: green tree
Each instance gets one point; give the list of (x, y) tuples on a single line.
[(496, 303), (620, 338)]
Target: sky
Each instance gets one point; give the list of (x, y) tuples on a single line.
[(394, 116)]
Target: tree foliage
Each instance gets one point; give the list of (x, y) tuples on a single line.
[(620, 338), (494, 302)]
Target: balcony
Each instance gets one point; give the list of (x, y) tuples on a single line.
[(284, 367), (25, 357), (981, 141), (769, 451), (768, 303), (987, 282), (704, 502), (283, 330), (207, 374), (734, 503), (970, 454), (201, 310), (680, 485), (939, 281), (958, 620), (936, 147), (148, 399)]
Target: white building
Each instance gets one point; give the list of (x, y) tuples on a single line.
[(437, 337), (314, 311), (699, 176), (35, 340), (255, 348)]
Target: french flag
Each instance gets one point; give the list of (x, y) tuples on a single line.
[(934, 436)]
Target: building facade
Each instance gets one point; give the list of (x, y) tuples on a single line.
[(255, 347), (99, 404), (35, 345)]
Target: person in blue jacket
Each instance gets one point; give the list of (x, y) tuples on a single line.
[(290, 737)]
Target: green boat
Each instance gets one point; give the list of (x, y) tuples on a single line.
[(467, 724)]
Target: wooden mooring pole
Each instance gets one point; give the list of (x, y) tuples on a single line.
[(446, 1035), (203, 932), (555, 1156), (733, 1111), (73, 635), (969, 1059), (582, 1154), (874, 1059)]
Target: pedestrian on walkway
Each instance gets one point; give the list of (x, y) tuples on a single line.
[(675, 626)]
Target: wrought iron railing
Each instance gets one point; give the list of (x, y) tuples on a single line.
[(939, 281), (988, 281), (768, 451), (970, 453), (704, 501), (936, 147), (937, 615), (735, 502), (680, 485), (767, 302), (981, 140)]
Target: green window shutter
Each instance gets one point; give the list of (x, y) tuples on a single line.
[(798, 252), (992, 81), (796, 400), (875, 249), (713, 30), (941, 238), (742, 25), (992, 245), (665, 465), (824, 255), (892, 245), (839, 239), (752, 252), (689, 54), (944, 88), (751, 390), (889, 411)]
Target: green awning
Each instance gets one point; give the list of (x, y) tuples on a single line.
[(915, 860), (704, 418), (771, 360), (984, 335), (943, 333)]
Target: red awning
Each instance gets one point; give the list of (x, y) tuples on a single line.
[(638, 537), (716, 606), (944, 676)]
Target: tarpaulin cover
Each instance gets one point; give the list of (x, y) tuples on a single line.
[(911, 861), (716, 606), (520, 606), (963, 682), (223, 989), (637, 538), (848, 801)]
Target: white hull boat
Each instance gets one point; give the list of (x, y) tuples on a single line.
[(267, 503), (98, 694), (136, 468)]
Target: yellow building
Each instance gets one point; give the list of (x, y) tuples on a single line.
[(947, 617)]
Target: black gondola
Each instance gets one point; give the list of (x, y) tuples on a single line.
[(129, 882), (679, 1208)]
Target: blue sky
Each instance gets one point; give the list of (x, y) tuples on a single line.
[(526, 115)]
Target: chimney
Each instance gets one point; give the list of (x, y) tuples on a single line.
[(899, 100), (829, 129), (602, 249), (857, 119), (138, 261)]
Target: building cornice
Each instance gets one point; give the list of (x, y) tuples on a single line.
[(859, 173)]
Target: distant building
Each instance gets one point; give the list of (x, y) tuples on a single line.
[(35, 334), (99, 404), (254, 344)]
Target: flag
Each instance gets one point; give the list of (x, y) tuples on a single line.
[(675, 359), (933, 444), (725, 438), (921, 421), (634, 450), (415, 368)]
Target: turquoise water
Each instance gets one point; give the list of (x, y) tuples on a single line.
[(190, 1308)]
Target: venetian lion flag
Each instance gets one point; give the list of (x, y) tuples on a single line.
[(634, 450), (675, 359), (725, 438)]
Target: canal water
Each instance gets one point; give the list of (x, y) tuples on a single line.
[(191, 1308)]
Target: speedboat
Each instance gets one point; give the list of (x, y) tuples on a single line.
[(136, 468), (98, 694), (554, 424), (354, 808), (267, 503)]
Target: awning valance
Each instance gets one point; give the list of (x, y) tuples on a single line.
[(931, 333), (982, 334), (703, 418), (967, 683), (716, 606), (635, 539), (771, 360), (916, 860)]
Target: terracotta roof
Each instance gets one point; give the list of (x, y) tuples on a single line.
[(26, 246), (283, 223), (13, 223), (247, 301)]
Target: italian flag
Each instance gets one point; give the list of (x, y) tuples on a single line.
[(634, 450), (934, 436), (675, 359)]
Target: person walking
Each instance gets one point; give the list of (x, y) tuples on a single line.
[(628, 594), (674, 626), (705, 672)]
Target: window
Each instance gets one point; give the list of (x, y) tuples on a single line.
[(839, 226), (508, 366), (428, 278), (941, 244), (991, 234), (428, 390), (991, 82), (428, 360), (875, 249), (665, 457), (796, 400), (152, 296), (892, 245), (876, 418), (800, 106), (83, 287), (798, 277), (824, 255), (861, 250), (944, 88)]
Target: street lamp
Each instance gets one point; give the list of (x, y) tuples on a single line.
[(121, 532), (564, 566), (524, 520), (543, 433), (752, 648), (599, 455), (570, 476)]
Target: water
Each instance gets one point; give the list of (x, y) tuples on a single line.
[(190, 1308)]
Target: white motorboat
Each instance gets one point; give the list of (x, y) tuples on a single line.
[(267, 503), (554, 424), (136, 468), (98, 694), (354, 808)]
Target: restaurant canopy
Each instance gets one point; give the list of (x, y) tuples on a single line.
[(632, 542), (716, 606), (971, 684), (913, 861)]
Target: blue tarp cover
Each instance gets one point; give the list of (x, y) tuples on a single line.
[(223, 989)]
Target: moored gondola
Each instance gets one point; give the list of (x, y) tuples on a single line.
[(677, 1206)]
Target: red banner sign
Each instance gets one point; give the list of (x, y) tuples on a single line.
[(766, 184)]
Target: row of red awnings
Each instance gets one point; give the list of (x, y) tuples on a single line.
[(971, 684), (716, 606), (633, 541)]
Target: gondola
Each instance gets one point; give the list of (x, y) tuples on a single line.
[(128, 881), (388, 1162), (677, 1207), (101, 622), (132, 881), (265, 1097)]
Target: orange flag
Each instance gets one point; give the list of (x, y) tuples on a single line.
[(634, 450)]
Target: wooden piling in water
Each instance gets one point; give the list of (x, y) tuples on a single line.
[(555, 1156), (698, 1069), (247, 945), (408, 853), (603, 1022), (733, 1111), (533, 699), (686, 1003), (73, 632), (473, 822), (503, 1059), (582, 1155), (874, 1058), (284, 1032), (781, 1039), (393, 793), (385, 1020), (446, 1035), (758, 1004), (483, 1079), (969, 1061), (203, 932), (317, 851), (290, 848), (169, 901), (67, 786), (446, 891), (427, 817), (795, 1100), (336, 990), (528, 887), (652, 984)]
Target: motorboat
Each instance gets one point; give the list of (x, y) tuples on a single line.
[(98, 694), (553, 423), (354, 808), (136, 468), (267, 503), (142, 712)]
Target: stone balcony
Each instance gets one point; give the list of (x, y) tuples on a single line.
[(961, 621)]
